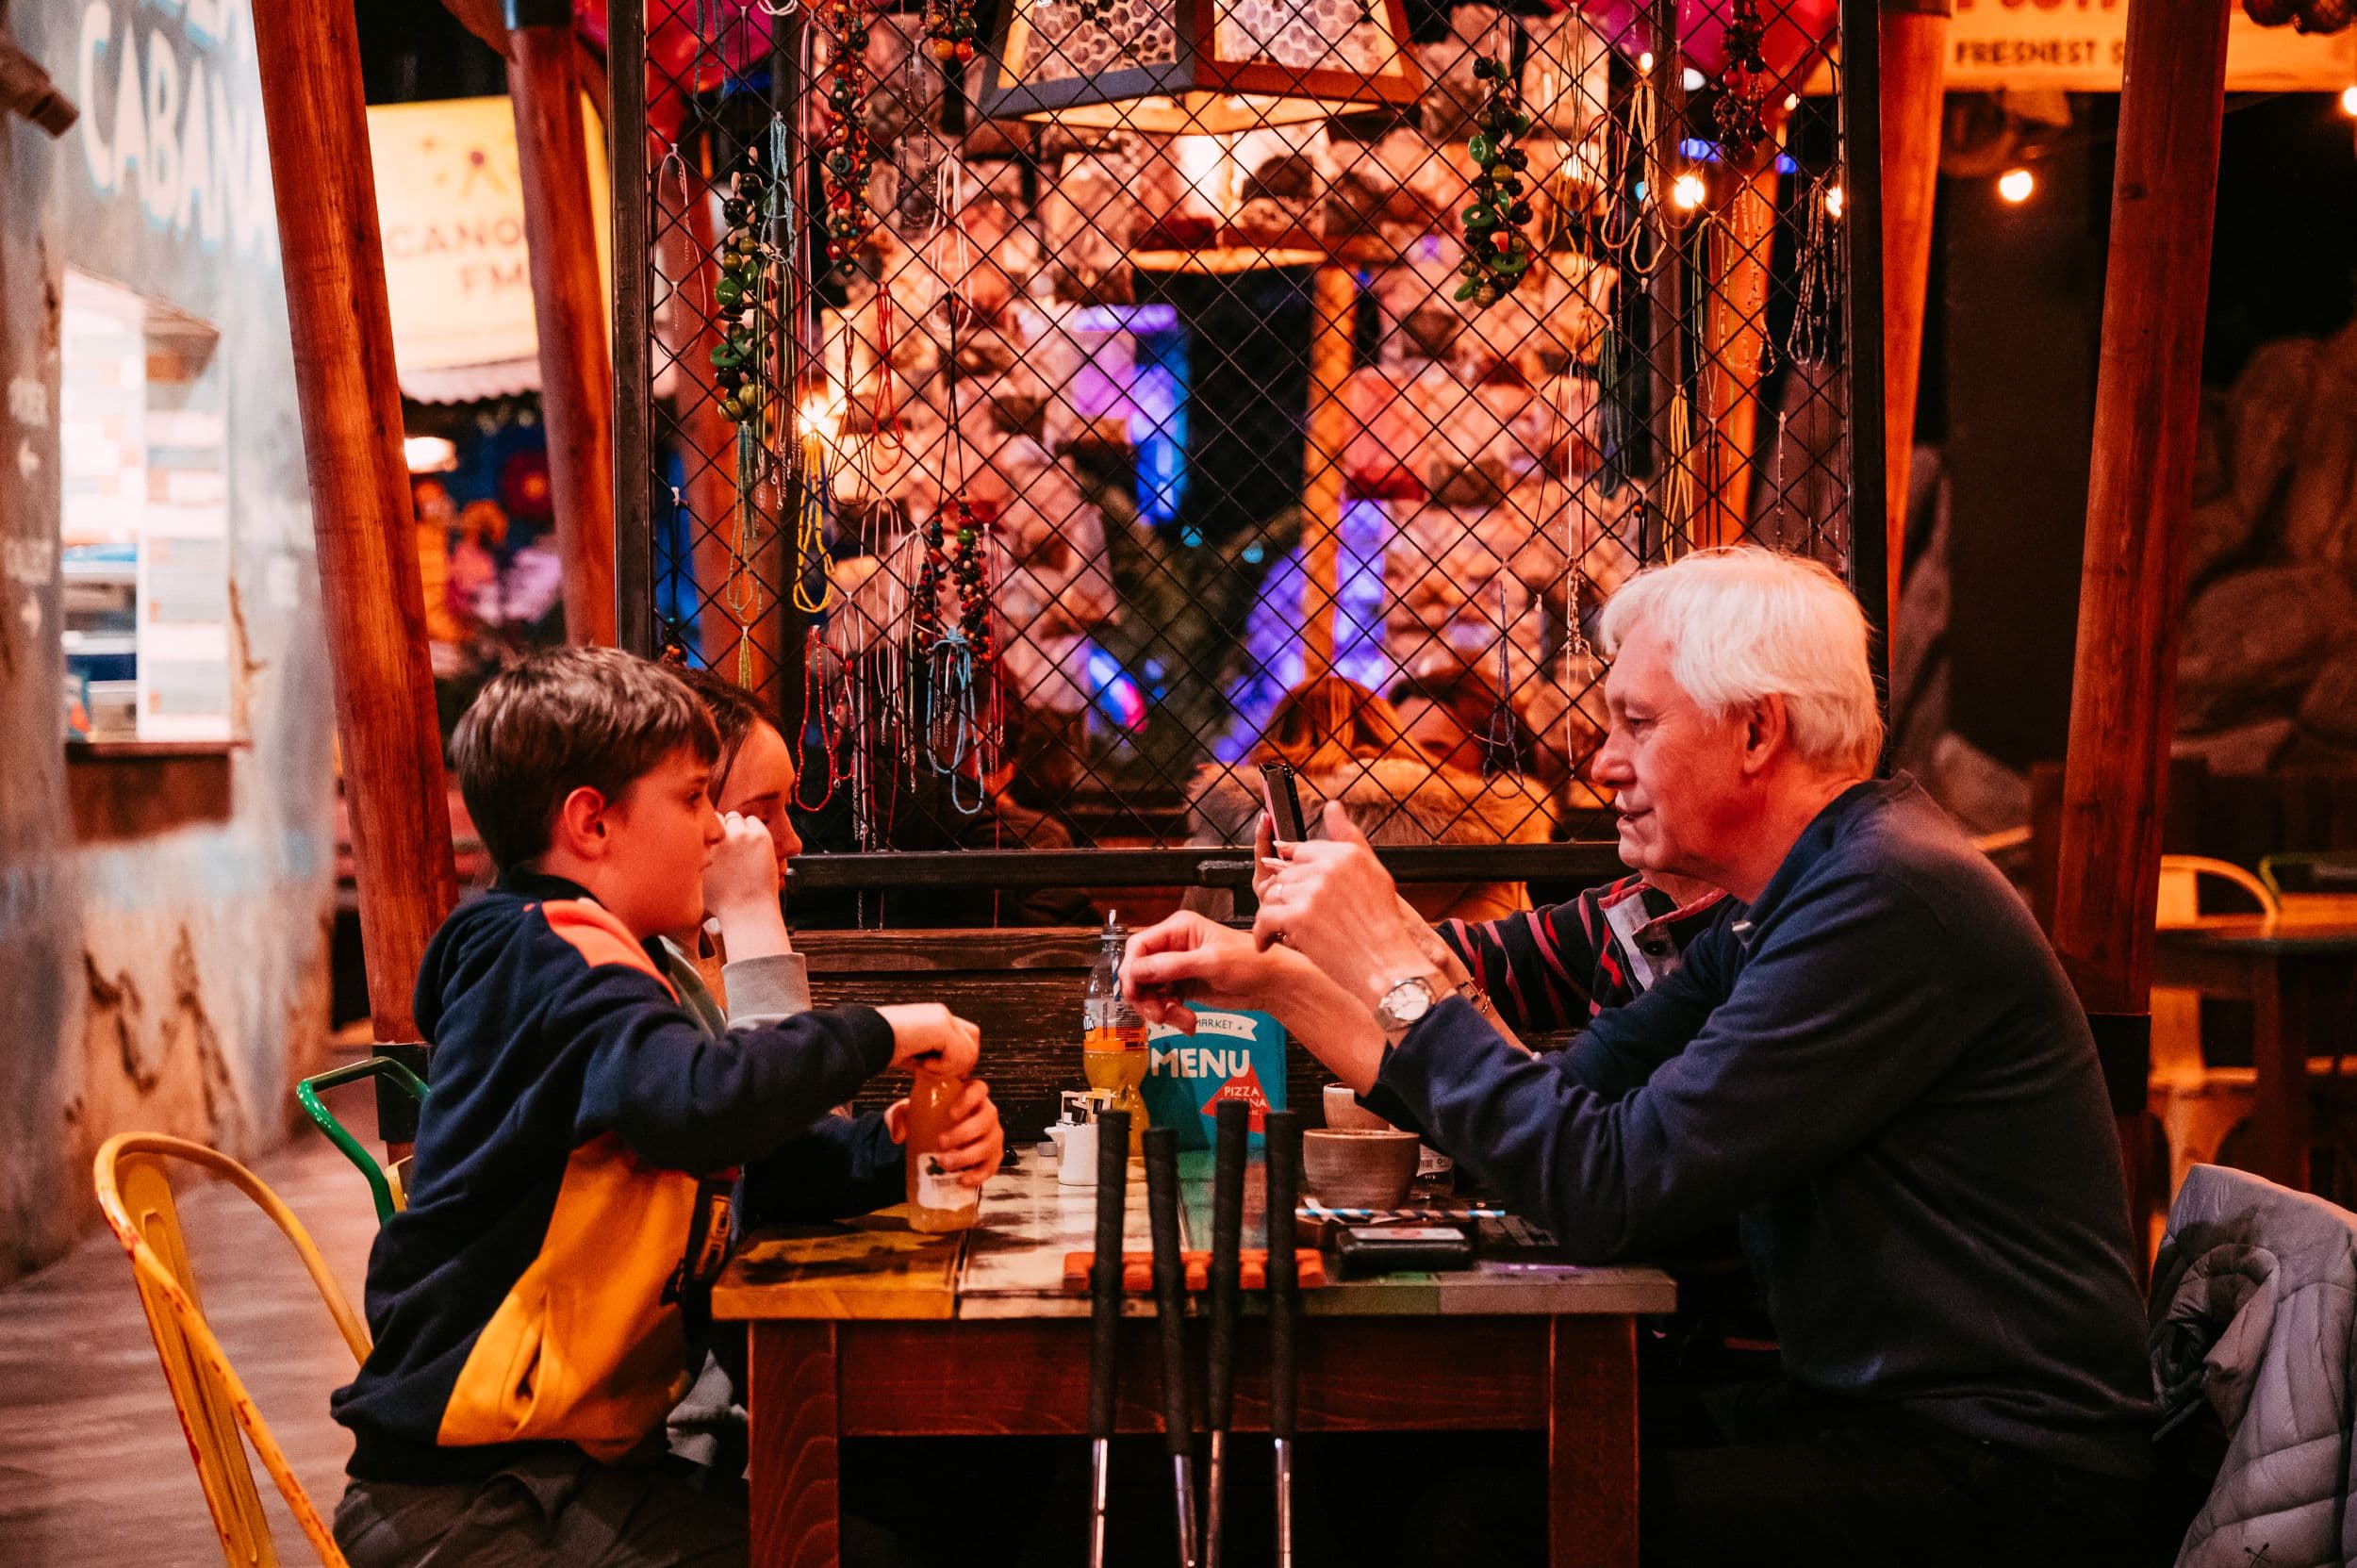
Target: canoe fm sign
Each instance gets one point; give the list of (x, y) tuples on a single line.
[(170, 118)]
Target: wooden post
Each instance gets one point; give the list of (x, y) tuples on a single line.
[(1914, 71), (374, 603), (1667, 534), (1334, 316), (1735, 322), (708, 442), (1862, 331), (567, 307), (2147, 389)]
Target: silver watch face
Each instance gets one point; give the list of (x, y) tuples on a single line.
[(1404, 1003)]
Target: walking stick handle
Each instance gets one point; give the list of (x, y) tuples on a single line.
[(1113, 1183)]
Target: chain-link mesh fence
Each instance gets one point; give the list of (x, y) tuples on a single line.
[(1056, 433)]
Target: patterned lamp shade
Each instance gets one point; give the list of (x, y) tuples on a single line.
[(1179, 66)]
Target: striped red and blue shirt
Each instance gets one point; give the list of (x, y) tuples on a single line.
[(1557, 967)]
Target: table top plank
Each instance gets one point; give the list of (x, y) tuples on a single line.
[(1011, 1265), (2292, 931), (870, 1266)]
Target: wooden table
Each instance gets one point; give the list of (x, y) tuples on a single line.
[(868, 1328), (2295, 972)]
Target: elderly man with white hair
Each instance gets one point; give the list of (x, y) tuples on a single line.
[(1873, 1061)]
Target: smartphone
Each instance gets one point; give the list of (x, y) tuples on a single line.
[(1386, 1249), (1284, 802)]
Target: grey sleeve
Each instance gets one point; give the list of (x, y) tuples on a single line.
[(765, 990)]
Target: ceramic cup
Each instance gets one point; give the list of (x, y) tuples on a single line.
[(1357, 1168), (1076, 1166), (1345, 1114)]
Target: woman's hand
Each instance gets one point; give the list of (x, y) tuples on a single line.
[(927, 1034), (1335, 904), (741, 890)]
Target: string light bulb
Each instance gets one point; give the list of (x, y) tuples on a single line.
[(1645, 61), (2015, 185), (1687, 193), (1835, 201), (2349, 100)]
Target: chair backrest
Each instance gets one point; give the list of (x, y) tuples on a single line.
[(384, 1186), (135, 1192), (2179, 902)]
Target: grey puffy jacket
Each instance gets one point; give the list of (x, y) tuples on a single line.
[(2254, 1300)]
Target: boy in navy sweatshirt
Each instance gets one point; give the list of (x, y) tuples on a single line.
[(533, 1308)]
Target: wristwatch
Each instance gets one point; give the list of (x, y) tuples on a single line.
[(1406, 1001)]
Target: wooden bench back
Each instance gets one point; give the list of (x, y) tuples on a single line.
[(1024, 987)]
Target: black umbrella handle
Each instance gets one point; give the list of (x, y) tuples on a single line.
[(1282, 1136), (1234, 1129), (1170, 1284), (1113, 1186)]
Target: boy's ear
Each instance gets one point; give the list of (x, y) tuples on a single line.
[(581, 825)]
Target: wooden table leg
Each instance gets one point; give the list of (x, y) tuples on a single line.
[(1591, 1442), (793, 1402), (2294, 1000)]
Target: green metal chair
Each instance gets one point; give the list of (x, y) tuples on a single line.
[(2309, 873), (384, 1185)]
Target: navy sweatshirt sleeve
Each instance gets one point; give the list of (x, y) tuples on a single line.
[(683, 1099), (1682, 1107), (837, 1166)]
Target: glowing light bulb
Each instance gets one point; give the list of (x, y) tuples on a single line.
[(1645, 61), (1693, 79), (1687, 192), (1791, 102), (821, 415), (2015, 185), (1835, 201), (2349, 100)]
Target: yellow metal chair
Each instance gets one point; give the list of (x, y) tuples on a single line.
[(135, 1192)]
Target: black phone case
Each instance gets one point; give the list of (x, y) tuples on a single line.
[(1372, 1255)]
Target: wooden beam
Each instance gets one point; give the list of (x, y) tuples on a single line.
[(1333, 330), (1914, 73), (2147, 390), (2131, 575), (569, 307), (708, 446), (482, 18), (374, 603), (1862, 332), (1734, 323)]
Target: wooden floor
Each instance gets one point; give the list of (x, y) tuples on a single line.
[(92, 1466)]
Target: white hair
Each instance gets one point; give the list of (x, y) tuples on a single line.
[(1744, 623)]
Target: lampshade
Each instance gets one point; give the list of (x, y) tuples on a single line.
[(1179, 66)]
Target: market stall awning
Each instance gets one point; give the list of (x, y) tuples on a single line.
[(449, 207)]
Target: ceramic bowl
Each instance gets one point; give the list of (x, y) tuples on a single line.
[(1357, 1168), (1345, 1114)]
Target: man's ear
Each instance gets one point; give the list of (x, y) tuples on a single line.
[(580, 825), (1765, 726)]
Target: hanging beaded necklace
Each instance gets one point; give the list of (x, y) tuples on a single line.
[(849, 155), (1498, 256), (1740, 112), (747, 297), (949, 26)]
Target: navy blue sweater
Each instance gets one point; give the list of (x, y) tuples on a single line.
[(1880, 1067), (569, 1191)]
